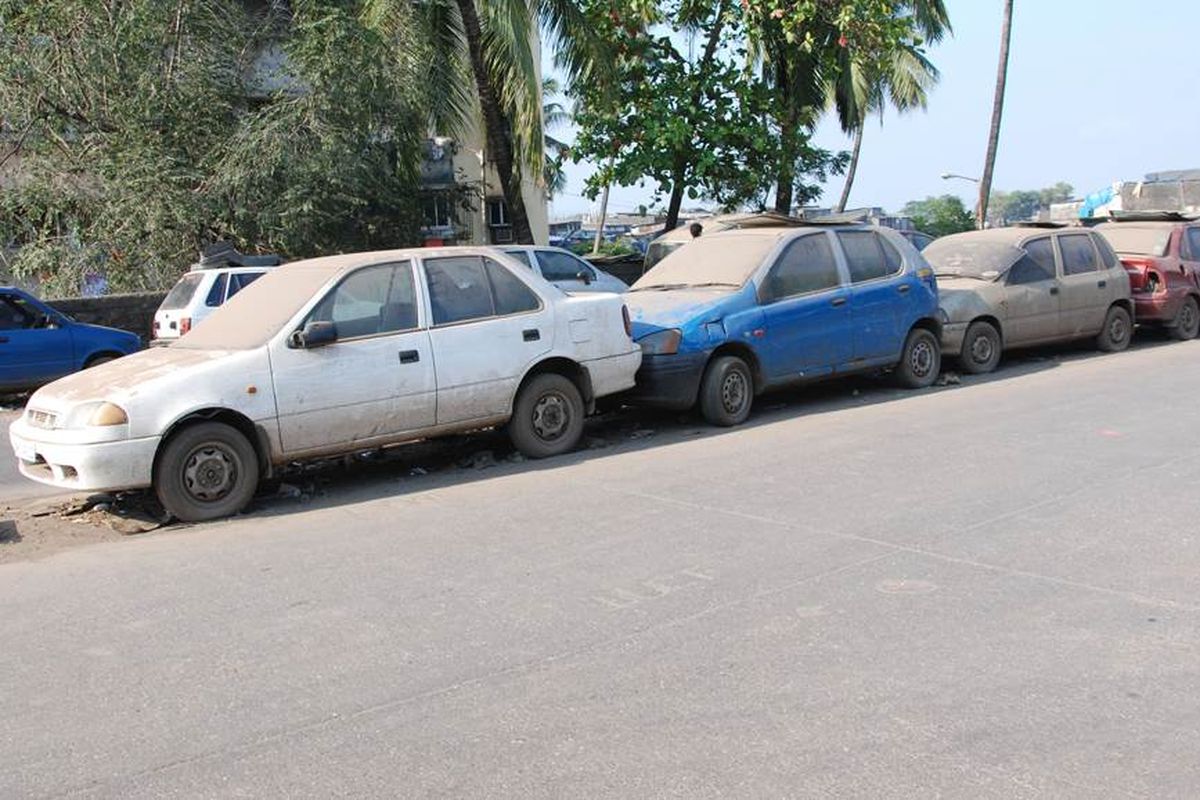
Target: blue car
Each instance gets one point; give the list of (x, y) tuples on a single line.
[(733, 314), (39, 344)]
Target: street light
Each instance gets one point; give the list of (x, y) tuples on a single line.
[(948, 175)]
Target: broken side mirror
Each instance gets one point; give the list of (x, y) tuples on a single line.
[(314, 334)]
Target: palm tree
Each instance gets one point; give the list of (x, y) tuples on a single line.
[(554, 115), (985, 183), (904, 83), (488, 47)]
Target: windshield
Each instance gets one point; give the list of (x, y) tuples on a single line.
[(657, 251), (727, 260), (1143, 241), (259, 311), (970, 258), (181, 293)]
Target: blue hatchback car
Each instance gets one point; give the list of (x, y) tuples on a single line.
[(731, 315), (39, 344)]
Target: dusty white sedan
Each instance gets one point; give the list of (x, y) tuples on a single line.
[(327, 356)]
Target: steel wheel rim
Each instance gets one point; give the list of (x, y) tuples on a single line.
[(733, 392), (551, 416), (982, 349), (1117, 330), (210, 472), (1187, 317), (920, 360)]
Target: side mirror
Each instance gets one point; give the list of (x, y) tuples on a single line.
[(314, 334), (584, 276), (46, 321)]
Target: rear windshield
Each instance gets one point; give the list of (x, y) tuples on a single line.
[(1137, 240), (181, 293), (657, 251), (970, 258)]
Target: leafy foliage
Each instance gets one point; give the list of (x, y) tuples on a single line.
[(135, 138), (940, 216), (1008, 207)]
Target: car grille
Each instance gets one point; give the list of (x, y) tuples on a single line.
[(41, 419)]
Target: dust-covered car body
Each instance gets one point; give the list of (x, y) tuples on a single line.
[(739, 312), (566, 270), (1161, 253), (1016, 287), (329, 356)]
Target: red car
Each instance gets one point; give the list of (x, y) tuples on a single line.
[(1161, 253)]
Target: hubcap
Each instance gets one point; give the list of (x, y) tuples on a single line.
[(734, 392), (551, 416), (981, 349), (920, 360), (210, 472), (1187, 317)]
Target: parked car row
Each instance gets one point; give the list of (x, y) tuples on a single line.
[(343, 354)]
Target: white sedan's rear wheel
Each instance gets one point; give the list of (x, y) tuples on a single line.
[(547, 416)]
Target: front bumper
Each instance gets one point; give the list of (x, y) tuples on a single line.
[(669, 381), (47, 457), (952, 338), (1161, 307)]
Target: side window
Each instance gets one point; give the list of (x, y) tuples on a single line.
[(1106, 252), (13, 317), (370, 301), (216, 295), (1041, 251), (1078, 254), (559, 266), (458, 289), (240, 280), (921, 241), (519, 255), (806, 265), (863, 255), (891, 256), (512, 295), (1193, 242)]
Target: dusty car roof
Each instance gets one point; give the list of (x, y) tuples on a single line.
[(1010, 235)]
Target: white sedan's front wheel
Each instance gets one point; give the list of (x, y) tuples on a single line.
[(206, 471)]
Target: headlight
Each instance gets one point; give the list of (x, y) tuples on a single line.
[(662, 343), (96, 415)]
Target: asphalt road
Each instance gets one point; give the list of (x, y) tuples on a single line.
[(14, 487), (988, 590)]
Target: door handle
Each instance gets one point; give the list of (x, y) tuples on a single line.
[(531, 335), (1053, 290), (838, 301), (409, 356), (1102, 284), (903, 288)]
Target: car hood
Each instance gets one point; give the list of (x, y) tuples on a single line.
[(104, 330), (122, 378), (963, 299), (656, 310)]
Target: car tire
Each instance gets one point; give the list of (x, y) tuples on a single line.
[(547, 416), (980, 349), (1186, 324), (727, 392), (920, 361), (1115, 334), (206, 471)]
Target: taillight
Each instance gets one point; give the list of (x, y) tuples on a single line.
[(185, 325), (627, 321)]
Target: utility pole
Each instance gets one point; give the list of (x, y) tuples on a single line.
[(603, 207)]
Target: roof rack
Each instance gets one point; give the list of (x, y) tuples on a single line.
[(1151, 216), (224, 254)]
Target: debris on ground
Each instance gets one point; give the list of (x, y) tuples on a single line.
[(948, 379), (639, 433)]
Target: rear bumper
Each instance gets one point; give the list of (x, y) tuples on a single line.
[(613, 374), (107, 466), (669, 381), (1158, 308)]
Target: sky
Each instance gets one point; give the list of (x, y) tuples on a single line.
[(1098, 91)]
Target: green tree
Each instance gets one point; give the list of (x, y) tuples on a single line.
[(939, 216), (554, 115), (1007, 207)]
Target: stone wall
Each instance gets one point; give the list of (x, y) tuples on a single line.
[(131, 312)]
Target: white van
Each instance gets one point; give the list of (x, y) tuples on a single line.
[(218, 277)]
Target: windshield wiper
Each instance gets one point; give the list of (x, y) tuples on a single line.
[(713, 283), (659, 287)]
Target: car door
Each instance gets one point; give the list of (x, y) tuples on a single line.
[(35, 346), (1031, 295), (876, 298), (488, 326), (1191, 251), (563, 270), (806, 310), (375, 381), (1084, 297)]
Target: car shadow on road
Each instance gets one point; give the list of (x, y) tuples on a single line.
[(451, 461)]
